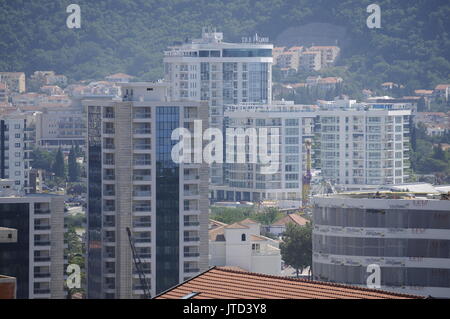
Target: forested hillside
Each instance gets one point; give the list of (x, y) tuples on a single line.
[(412, 47)]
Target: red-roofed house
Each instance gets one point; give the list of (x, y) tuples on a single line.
[(442, 91), (241, 245), (279, 226)]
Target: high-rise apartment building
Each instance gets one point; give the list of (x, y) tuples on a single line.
[(220, 73), (365, 145), (17, 136), (293, 125), (406, 235), (134, 183), (36, 258)]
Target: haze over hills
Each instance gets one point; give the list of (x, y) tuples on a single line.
[(412, 47)]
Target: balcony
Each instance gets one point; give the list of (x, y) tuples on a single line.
[(142, 177), (142, 209), (191, 239), (191, 193), (42, 291), (142, 193), (142, 240), (142, 115), (191, 254), (191, 223), (109, 177), (107, 254), (109, 208), (142, 147), (142, 131), (42, 275), (108, 115), (42, 212), (41, 259), (109, 193), (191, 270), (144, 255), (42, 227), (42, 243), (142, 224), (109, 146), (142, 163), (191, 177), (108, 224)]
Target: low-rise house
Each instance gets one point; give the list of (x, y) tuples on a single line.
[(279, 226), (241, 245), (442, 91), (328, 54), (14, 80)]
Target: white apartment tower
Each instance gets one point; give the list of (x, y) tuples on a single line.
[(17, 135), (365, 145), (220, 73), (292, 125), (134, 183)]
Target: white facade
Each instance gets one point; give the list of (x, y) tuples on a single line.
[(17, 136), (246, 181), (241, 245), (60, 128), (365, 145), (408, 237), (220, 73), (39, 222), (134, 183)]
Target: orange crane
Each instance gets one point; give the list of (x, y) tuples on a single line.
[(306, 181)]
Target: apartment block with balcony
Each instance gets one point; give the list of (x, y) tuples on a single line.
[(365, 145), (219, 73), (36, 259), (17, 137), (134, 183), (292, 126)]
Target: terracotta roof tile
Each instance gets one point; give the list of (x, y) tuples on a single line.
[(236, 226), (225, 283), (291, 218)]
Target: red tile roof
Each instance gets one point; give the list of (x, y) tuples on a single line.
[(441, 87), (225, 283), (291, 218)]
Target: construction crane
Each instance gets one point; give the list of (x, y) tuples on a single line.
[(138, 265), (306, 181)]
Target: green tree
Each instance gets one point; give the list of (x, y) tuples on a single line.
[(59, 166), (296, 248), (42, 159), (73, 166)]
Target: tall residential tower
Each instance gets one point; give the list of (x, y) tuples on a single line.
[(134, 183), (220, 73)]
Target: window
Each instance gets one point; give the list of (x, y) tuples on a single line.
[(243, 237)]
